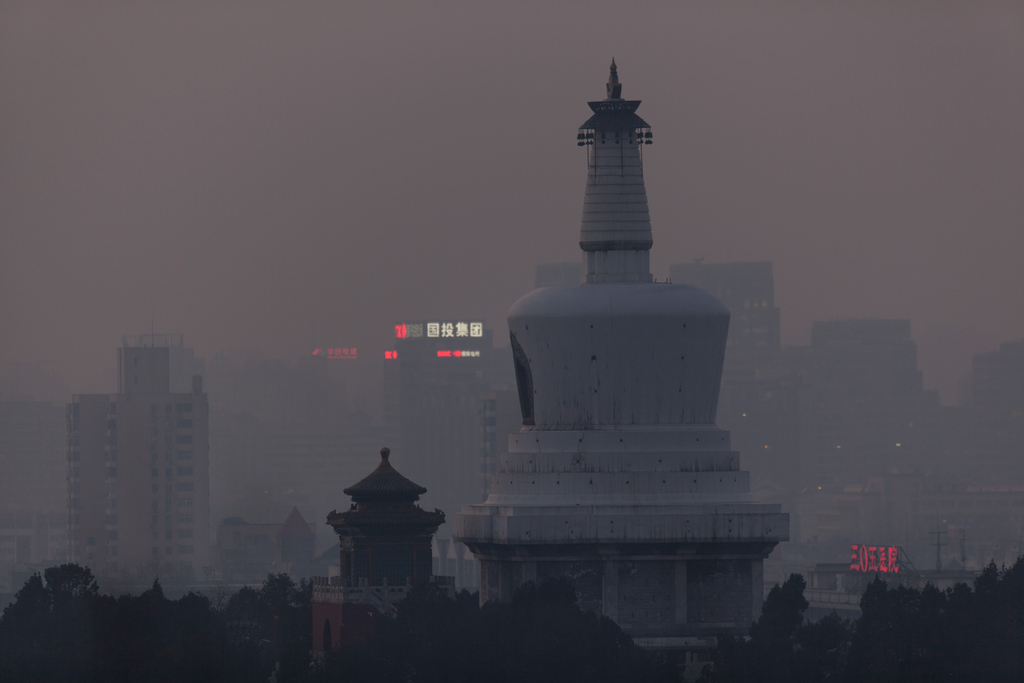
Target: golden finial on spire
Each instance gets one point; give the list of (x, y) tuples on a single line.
[(614, 87)]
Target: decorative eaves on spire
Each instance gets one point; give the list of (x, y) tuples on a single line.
[(614, 115)]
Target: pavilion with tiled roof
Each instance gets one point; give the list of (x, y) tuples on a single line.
[(385, 537)]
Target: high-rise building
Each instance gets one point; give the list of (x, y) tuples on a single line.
[(138, 472), (747, 289), (618, 477), (436, 379), (867, 410), (997, 412)]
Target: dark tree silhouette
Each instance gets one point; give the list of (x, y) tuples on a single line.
[(542, 635), (60, 628), (903, 634), (780, 647)]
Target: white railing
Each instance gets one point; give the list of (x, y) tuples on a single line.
[(384, 598)]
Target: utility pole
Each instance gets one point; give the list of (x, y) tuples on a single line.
[(938, 549)]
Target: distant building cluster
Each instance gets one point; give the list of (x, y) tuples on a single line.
[(843, 433), (196, 471)]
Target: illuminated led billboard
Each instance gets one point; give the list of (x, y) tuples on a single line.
[(439, 330), (875, 558), (337, 353)]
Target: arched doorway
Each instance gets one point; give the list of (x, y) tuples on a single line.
[(328, 642)]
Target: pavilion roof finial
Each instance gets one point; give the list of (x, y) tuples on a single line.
[(614, 87)]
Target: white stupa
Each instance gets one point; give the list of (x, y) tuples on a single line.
[(619, 478)]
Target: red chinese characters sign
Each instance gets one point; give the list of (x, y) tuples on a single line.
[(875, 558), (337, 354)]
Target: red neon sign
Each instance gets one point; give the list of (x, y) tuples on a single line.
[(338, 353), (875, 558), (391, 355), (400, 331), (458, 353)]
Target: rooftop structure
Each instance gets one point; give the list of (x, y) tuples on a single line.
[(248, 552), (384, 519), (619, 477)]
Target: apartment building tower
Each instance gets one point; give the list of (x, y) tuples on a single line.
[(138, 471), (997, 413)]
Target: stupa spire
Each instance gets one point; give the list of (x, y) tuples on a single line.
[(615, 231), (614, 87)]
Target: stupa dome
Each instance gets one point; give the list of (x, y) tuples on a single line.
[(600, 356)]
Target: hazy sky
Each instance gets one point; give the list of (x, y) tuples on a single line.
[(279, 175)]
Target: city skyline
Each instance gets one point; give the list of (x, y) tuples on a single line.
[(762, 404)]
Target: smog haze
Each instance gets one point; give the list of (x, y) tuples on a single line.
[(265, 176)]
